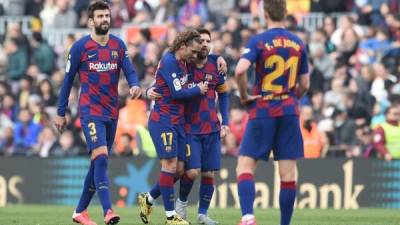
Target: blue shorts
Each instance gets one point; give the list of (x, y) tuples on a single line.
[(204, 152), (99, 132), (169, 140), (282, 135)]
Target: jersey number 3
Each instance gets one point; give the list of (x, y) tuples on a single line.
[(280, 67)]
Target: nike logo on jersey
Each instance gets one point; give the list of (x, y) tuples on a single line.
[(91, 56)]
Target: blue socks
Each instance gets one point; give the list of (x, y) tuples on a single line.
[(101, 182), (287, 197), (166, 182), (185, 187), (206, 193), (88, 190), (247, 192)]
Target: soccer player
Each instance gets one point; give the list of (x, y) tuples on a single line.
[(166, 124), (281, 79), (204, 130), (98, 58)]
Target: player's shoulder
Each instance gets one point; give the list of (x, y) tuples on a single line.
[(80, 43), (117, 39), (213, 58), (168, 57)]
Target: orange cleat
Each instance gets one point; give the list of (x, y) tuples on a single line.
[(82, 218), (111, 218)]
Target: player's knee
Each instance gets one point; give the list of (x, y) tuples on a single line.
[(288, 175), (102, 150), (210, 174), (193, 173), (169, 165)]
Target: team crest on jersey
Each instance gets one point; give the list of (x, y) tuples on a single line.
[(114, 54), (209, 77)]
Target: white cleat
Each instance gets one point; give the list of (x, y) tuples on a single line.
[(205, 220), (181, 208)]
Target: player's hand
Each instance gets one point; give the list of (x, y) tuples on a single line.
[(203, 87), (135, 92), (224, 130), (222, 66), (152, 94), (250, 99), (60, 123)]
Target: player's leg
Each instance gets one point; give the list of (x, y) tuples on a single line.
[(256, 144), (288, 148), (210, 162), (111, 129), (192, 155), (287, 194), (165, 139)]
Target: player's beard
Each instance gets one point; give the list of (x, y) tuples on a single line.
[(100, 30), (202, 54)]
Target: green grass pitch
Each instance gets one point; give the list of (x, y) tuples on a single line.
[(61, 215)]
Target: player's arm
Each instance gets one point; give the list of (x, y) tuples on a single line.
[(222, 66), (130, 74), (223, 103), (304, 79), (168, 71), (71, 69), (249, 56)]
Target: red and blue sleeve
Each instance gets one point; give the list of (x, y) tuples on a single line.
[(169, 72), (127, 67), (251, 51), (71, 69)]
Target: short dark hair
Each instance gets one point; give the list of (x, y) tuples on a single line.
[(185, 38), (203, 31), (276, 9), (97, 5)]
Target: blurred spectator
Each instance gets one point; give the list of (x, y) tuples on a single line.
[(119, 13), (191, 8), (144, 142), (143, 13), (48, 13), (65, 17), (67, 146), (14, 31), (25, 91), (391, 58), (17, 59), (43, 54), (3, 61), (373, 48), (237, 125), (9, 109), (47, 142), (26, 132), (345, 133), (126, 145), (7, 143), (321, 59), (346, 24), (387, 135), (46, 93), (315, 142), (137, 60), (317, 81), (165, 12)]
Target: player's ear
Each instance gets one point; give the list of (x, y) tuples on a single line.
[(90, 23)]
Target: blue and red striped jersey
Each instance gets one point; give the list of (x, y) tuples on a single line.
[(171, 83), (99, 68), (280, 57), (201, 115)]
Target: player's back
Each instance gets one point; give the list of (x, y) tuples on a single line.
[(168, 109), (280, 58)]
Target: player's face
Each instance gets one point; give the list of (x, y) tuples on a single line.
[(101, 20), (192, 51), (205, 41)]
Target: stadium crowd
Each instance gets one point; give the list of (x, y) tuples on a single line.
[(354, 61)]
